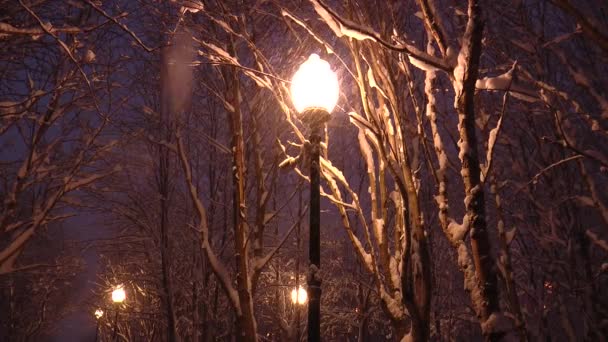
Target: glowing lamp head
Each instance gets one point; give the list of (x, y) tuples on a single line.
[(299, 296), (314, 85), (98, 313), (118, 295)]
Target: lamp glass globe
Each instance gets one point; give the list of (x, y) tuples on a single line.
[(299, 296), (315, 85), (118, 295)]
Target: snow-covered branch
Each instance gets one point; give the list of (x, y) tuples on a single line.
[(218, 267), (344, 27)]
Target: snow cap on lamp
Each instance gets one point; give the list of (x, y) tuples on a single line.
[(314, 86)]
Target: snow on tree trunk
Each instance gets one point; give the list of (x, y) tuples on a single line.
[(245, 321), (465, 76)]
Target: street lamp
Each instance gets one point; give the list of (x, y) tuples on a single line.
[(314, 92), (98, 315), (118, 296), (299, 296)]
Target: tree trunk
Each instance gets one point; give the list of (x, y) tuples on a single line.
[(245, 320), (486, 304), (163, 191), (506, 267)]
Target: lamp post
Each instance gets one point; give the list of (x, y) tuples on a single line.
[(314, 91), (98, 315), (118, 296)]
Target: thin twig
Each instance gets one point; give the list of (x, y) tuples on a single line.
[(122, 26)]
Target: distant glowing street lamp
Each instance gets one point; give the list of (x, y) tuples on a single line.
[(118, 296), (314, 92), (98, 315), (299, 296)]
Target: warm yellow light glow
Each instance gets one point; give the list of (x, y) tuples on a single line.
[(98, 313), (118, 295), (299, 296), (294, 296), (314, 85)]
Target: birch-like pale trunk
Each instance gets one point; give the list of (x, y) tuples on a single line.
[(245, 321)]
